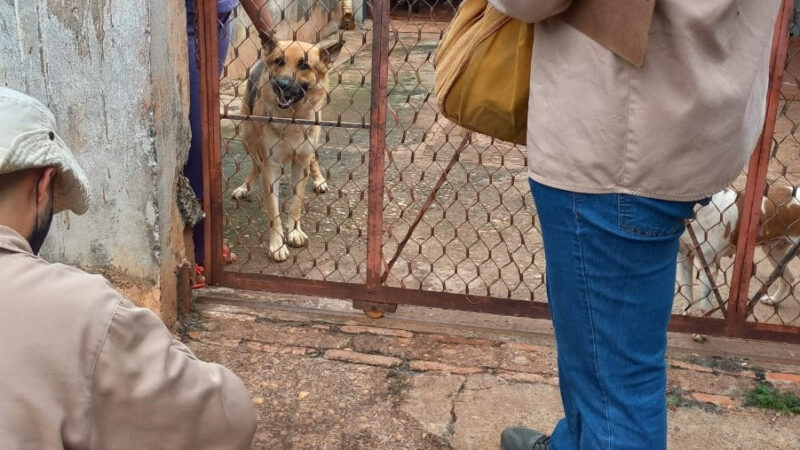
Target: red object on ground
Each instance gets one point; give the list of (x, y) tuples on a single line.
[(228, 257), (199, 278)]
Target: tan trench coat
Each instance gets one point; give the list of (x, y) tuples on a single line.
[(680, 128), (81, 368)]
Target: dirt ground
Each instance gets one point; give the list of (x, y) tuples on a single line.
[(324, 377), (479, 235)]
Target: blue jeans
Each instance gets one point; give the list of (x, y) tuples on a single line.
[(611, 261), (194, 165)]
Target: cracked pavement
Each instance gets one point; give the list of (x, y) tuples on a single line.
[(322, 380)]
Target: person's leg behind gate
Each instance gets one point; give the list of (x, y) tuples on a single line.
[(611, 262)]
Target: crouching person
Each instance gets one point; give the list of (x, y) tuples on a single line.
[(80, 366)]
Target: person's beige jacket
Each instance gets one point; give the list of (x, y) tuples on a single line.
[(680, 128), (83, 368)]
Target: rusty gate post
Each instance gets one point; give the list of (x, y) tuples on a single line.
[(185, 305), (377, 147), (208, 58), (757, 180)]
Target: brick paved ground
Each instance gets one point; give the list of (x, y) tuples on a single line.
[(342, 381)]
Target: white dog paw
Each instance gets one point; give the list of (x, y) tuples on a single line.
[(769, 300), (280, 253), (322, 187), (297, 238), (240, 193), (699, 338)]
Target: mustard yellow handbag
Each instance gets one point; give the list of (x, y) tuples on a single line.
[(482, 72)]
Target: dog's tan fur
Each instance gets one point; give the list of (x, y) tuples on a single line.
[(271, 145)]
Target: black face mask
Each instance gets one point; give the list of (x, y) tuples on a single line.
[(41, 227)]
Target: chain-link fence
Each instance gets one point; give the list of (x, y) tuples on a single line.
[(303, 213), (773, 297), (458, 218), (346, 181)]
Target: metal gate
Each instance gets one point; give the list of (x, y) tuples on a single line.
[(419, 212)]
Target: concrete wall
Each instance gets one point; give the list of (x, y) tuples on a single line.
[(114, 74)]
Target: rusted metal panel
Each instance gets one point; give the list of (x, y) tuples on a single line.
[(375, 292), (757, 177), (354, 291), (720, 327)]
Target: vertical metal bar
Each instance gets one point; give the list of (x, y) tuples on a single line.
[(185, 272), (377, 141), (209, 117), (757, 179)]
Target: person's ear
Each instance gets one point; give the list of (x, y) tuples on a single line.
[(45, 184)]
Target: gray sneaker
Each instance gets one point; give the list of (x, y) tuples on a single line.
[(519, 438)]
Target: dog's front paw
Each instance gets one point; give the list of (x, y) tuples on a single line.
[(297, 238), (705, 305), (240, 193), (279, 253), (770, 300), (321, 187), (699, 338)]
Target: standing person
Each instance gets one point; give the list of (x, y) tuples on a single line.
[(259, 14), (81, 366), (618, 158)]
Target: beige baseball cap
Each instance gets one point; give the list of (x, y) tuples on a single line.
[(28, 140)]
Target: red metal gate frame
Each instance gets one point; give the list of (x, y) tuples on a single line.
[(735, 323)]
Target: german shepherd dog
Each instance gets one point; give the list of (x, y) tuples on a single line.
[(290, 81)]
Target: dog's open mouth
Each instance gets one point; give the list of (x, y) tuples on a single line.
[(287, 93), (286, 103)]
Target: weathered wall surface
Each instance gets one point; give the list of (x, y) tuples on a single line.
[(170, 81), (114, 74)]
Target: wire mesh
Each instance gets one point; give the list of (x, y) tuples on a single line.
[(456, 221), (705, 259), (457, 213), (328, 242), (475, 237), (777, 301)]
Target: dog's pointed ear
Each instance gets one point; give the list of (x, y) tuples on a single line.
[(268, 42), (329, 51)]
